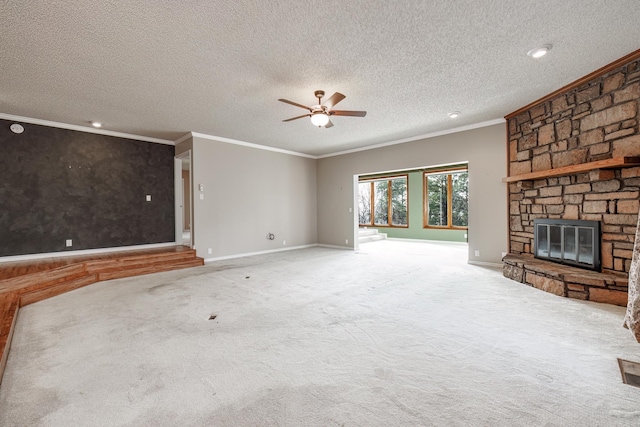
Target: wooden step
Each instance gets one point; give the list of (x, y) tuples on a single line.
[(139, 260), (61, 277), (9, 270), (45, 278), (20, 268), (118, 273), (9, 305), (38, 293)]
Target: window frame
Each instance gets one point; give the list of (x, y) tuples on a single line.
[(372, 182), (425, 209)]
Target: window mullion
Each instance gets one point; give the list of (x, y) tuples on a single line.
[(389, 223), (449, 201), (425, 201), (372, 221)]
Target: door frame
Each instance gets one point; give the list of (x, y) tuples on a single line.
[(179, 197)]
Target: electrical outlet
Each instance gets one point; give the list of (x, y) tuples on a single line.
[(465, 235), (201, 196), (284, 242), (477, 252), (148, 197), (350, 210), (346, 241), (69, 243), (209, 251)]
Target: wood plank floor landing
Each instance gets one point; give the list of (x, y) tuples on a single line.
[(26, 282)]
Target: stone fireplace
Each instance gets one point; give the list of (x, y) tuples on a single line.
[(574, 155)]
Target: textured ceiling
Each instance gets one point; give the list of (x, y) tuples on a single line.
[(164, 68)]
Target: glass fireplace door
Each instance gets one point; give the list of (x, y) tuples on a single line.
[(570, 242)]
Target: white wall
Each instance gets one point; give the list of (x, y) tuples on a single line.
[(248, 193), (484, 149)]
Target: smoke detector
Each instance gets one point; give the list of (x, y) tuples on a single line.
[(16, 128)]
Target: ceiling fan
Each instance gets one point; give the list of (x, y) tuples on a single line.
[(321, 113)]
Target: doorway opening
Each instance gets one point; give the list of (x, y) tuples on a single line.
[(427, 203), (184, 202)]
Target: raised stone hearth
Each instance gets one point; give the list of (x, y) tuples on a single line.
[(567, 281)]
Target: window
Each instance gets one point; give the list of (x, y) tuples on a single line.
[(446, 199), (383, 202)]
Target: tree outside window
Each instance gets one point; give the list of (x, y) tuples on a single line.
[(383, 202), (399, 201), (447, 196), (364, 202), (460, 199)]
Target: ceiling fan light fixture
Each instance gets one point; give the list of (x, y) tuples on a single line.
[(539, 52), (321, 113), (319, 119)]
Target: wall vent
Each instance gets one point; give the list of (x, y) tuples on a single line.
[(630, 372)]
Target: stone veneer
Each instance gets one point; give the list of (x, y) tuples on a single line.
[(567, 281), (595, 120)]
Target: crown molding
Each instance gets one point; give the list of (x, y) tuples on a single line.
[(591, 76), (87, 129), (250, 145), (416, 138), (11, 117), (182, 138)]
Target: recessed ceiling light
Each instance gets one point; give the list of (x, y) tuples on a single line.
[(96, 124), (453, 114), (539, 52)]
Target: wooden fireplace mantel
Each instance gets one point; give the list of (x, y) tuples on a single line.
[(616, 162)]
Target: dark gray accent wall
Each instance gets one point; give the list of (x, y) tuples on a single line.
[(59, 184)]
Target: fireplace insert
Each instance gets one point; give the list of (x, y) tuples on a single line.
[(571, 242)]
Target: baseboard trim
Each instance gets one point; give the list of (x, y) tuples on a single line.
[(85, 252), (486, 264), (446, 242), (248, 254), (344, 248)]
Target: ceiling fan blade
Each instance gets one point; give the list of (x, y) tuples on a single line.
[(348, 113), (328, 125), (286, 101), (296, 118), (335, 98)]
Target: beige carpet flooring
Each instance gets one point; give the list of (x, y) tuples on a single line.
[(397, 334)]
